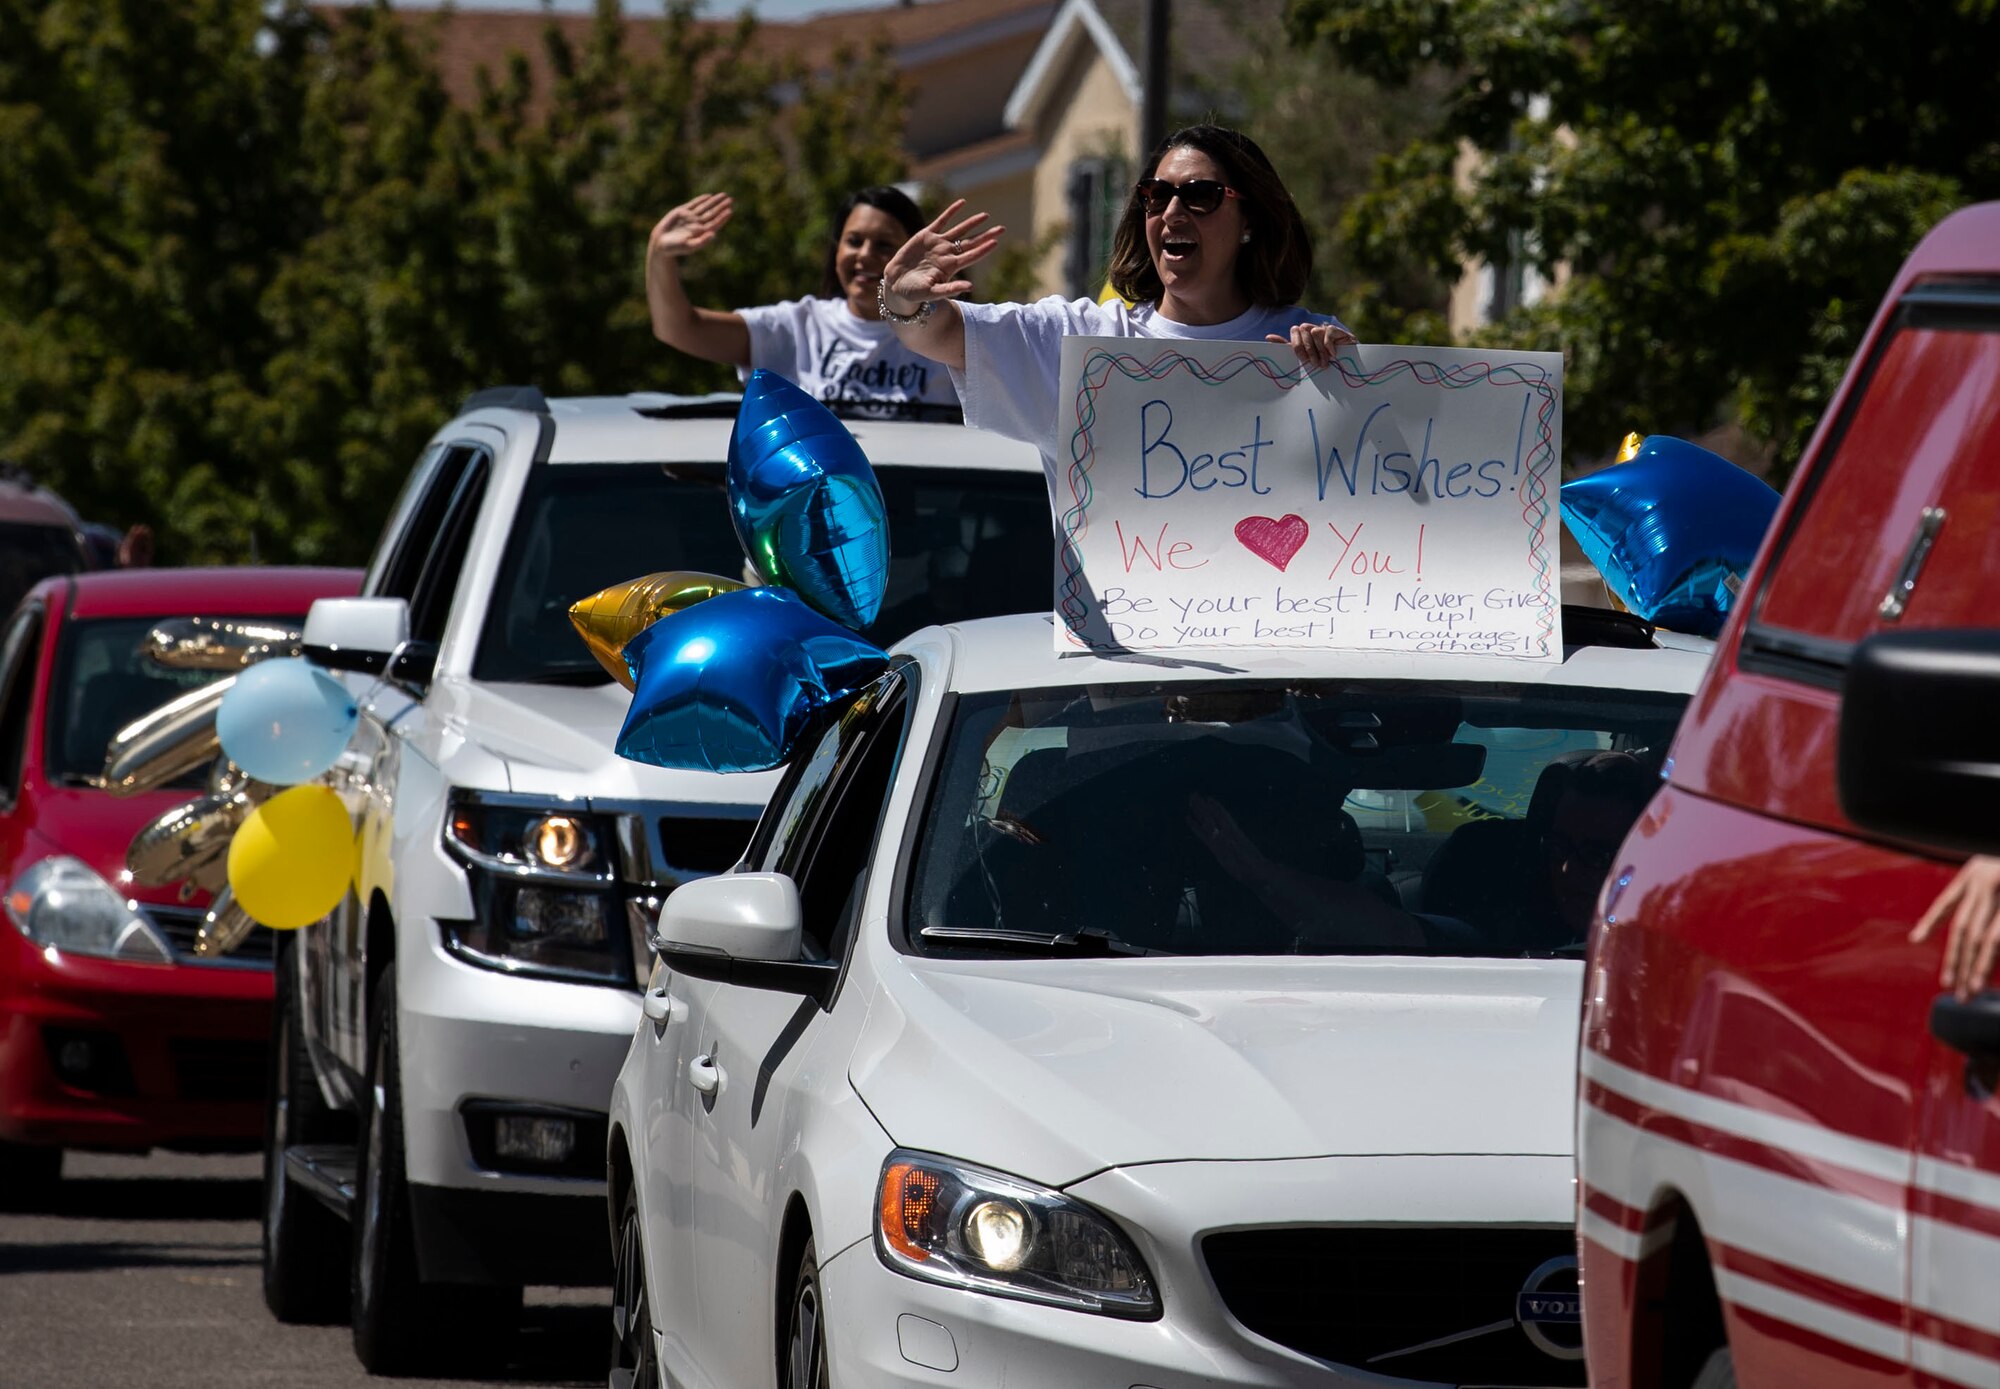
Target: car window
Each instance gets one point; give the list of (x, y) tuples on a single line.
[(1249, 818), (413, 525), (444, 560), (580, 528), (1925, 433), (823, 783), (17, 695), (963, 543), (104, 680), (829, 860)]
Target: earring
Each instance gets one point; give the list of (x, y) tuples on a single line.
[(1243, 240)]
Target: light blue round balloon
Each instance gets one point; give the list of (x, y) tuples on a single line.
[(285, 721)]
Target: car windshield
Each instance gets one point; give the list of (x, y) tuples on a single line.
[(1237, 818), (104, 680), (29, 554), (963, 543)]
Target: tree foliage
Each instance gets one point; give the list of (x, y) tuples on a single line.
[(1720, 189), (256, 255)]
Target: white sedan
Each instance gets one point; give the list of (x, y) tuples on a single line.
[(1137, 1022)]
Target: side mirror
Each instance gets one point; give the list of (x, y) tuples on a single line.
[(1919, 755), (365, 634), (741, 928)]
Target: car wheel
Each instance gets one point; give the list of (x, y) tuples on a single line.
[(29, 1176), (805, 1342), (305, 1243), (633, 1365), (1718, 1372)]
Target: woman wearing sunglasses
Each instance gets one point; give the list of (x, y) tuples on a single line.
[(834, 345), (1211, 246)]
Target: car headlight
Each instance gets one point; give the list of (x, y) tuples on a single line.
[(966, 1227), (63, 902), (546, 895)]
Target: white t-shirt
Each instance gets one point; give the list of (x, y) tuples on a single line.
[(832, 353), (1013, 355)]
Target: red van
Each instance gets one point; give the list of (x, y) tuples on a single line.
[(1788, 1140)]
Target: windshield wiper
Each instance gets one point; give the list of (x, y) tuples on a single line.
[(1094, 941)]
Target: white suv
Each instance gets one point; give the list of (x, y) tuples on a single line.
[(445, 1044)]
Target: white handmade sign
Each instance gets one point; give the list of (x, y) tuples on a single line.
[(1215, 494)]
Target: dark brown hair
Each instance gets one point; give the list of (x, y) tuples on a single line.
[(1271, 269), (883, 197)]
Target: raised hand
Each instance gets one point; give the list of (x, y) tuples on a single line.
[(689, 227), (1971, 903), (1315, 343), (932, 264)]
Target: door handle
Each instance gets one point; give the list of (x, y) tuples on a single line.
[(658, 1005), (705, 1076)]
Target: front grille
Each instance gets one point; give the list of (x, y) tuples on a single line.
[(179, 925), (1355, 1296), (701, 844), (208, 1069)]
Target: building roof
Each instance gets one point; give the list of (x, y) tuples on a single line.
[(470, 38), (1206, 38)]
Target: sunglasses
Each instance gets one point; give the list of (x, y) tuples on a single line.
[(1200, 196)]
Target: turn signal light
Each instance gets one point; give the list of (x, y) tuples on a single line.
[(909, 1200)]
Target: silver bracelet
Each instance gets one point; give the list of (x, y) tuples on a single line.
[(923, 312)]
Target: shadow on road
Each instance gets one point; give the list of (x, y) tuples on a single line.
[(155, 1198), (561, 1345), (94, 1256)]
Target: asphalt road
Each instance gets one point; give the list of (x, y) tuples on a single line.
[(145, 1272)]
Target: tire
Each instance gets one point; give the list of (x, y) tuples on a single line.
[(305, 1244), (402, 1325), (805, 1328), (1717, 1372), (29, 1176), (633, 1364)]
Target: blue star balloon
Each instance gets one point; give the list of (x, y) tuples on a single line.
[(805, 502), (1673, 530), (729, 684)]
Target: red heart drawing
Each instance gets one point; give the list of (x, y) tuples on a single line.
[(1274, 542)]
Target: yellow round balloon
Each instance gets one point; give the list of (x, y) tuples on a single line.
[(290, 860)]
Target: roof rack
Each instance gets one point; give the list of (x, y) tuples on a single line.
[(724, 407), (529, 398)]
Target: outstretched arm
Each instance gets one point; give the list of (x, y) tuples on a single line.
[(711, 334), (930, 269)]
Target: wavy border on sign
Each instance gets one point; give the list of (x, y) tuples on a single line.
[(1097, 369)]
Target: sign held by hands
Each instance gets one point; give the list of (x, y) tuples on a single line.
[(1217, 495)]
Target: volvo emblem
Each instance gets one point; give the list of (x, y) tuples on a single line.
[(1549, 1308)]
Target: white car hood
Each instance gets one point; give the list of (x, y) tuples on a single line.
[(561, 740), (1054, 1069)]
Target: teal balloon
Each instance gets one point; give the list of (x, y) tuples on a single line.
[(731, 683), (805, 502), (1673, 530), (285, 721)]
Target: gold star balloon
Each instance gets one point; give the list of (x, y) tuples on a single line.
[(611, 617)]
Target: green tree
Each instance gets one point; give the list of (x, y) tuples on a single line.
[(1326, 126), (1719, 189), (262, 256)]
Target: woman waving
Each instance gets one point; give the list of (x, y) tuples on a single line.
[(834, 345)]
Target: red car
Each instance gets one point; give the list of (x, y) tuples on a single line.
[(113, 1034), (1788, 1136)]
